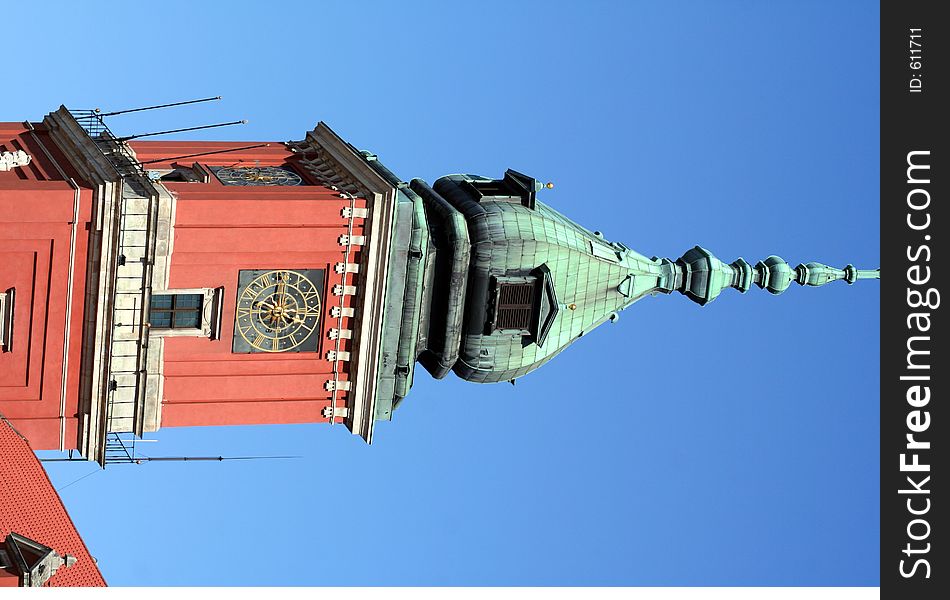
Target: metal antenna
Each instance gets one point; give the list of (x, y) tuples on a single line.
[(132, 110), (141, 135), (148, 162), (207, 458), (141, 459)]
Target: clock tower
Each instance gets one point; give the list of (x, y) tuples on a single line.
[(215, 283)]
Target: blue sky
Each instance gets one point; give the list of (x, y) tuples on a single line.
[(733, 444)]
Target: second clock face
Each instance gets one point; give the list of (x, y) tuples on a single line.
[(278, 311), (256, 176)]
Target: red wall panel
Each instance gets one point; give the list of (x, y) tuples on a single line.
[(36, 214), (219, 231)]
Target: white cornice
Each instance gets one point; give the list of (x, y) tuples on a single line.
[(381, 200)]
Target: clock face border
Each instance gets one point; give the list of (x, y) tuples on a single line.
[(255, 176), (311, 344)]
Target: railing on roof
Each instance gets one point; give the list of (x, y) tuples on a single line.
[(134, 245), (120, 448), (115, 151)]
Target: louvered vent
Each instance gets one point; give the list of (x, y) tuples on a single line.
[(515, 302)]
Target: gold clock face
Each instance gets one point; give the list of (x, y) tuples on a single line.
[(278, 311)]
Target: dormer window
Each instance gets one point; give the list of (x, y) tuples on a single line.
[(515, 306), (34, 562), (515, 187), (525, 305)]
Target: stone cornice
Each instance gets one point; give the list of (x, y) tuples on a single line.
[(331, 157)]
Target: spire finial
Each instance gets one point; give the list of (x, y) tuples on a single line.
[(701, 276)]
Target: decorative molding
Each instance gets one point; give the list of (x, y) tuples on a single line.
[(381, 197), (317, 162), (341, 334), (340, 411), (118, 275), (352, 240), (335, 385), (354, 213), (11, 160), (342, 268), (338, 355)]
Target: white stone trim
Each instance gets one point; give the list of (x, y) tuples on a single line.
[(342, 311), (335, 385), (380, 198), (354, 213), (341, 334), (330, 412), (335, 355), (344, 290), (107, 192), (342, 268), (352, 240), (154, 386)]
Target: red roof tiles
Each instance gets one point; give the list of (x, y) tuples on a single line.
[(30, 506)]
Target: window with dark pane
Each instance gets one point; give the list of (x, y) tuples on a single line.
[(515, 305), (176, 311)]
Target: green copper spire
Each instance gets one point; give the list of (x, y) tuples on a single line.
[(497, 282)]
